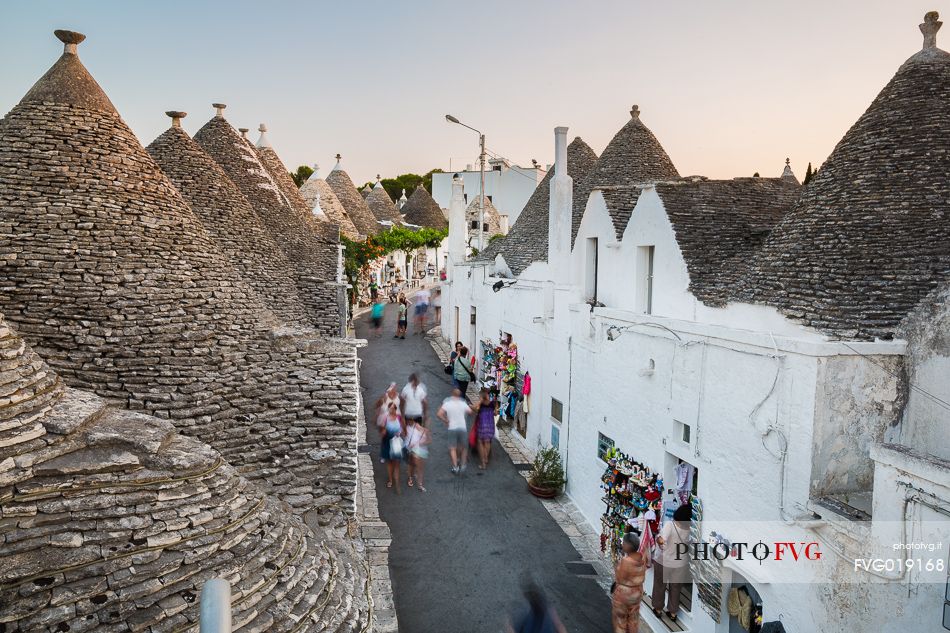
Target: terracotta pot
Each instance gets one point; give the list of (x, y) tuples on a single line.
[(543, 493)]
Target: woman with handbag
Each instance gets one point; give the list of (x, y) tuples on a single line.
[(461, 372), (392, 446)]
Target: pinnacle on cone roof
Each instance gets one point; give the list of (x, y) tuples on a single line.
[(876, 211)]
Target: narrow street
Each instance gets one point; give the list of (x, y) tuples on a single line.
[(461, 551)]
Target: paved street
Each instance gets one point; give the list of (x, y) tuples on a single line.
[(460, 551)]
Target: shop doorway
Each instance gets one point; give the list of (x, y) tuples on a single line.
[(681, 481)]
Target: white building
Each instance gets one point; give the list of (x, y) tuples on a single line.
[(507, 186), (791, 351)]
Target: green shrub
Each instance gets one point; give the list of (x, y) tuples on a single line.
[(548, 471)]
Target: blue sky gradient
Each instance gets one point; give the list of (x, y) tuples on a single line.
[(729, 87)]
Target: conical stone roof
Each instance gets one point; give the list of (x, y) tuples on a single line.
[(352, 201), (121, 288), (870, 237), (422, 210), (317, 187), (296, 231), (492, 217), (633, 156), (229, 218), (527, 241), (121, 520), (382, 206)]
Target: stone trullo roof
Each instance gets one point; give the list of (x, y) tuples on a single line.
[(329, 203), (306, 246), (421, 209), (292, 196), (382, 205), (118, 521), (229, 218), (634, 156), (125, 293), (527, 241), (870, 237), (720, 224), (352, 201), (492, 218)]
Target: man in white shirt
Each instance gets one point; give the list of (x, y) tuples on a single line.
[(453, 412), (415, 401)]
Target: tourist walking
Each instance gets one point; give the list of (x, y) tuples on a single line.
[(417, 447), (538, 617), (373, 290), (376, 316), (422, 310), (415, 401), (452, 413), (671, 568), (461, 372), (485, 427), (393, 445), (403, 322), (627, 591), (389, 397)]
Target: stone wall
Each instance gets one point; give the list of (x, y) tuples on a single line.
[(111, 521)]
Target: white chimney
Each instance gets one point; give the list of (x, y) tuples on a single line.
[(560, 210), (457, 227)]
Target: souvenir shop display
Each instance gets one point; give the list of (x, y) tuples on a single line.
[(633, 499), (500, 374)]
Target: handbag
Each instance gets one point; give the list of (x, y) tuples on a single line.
[(396, 446), (448, 369)]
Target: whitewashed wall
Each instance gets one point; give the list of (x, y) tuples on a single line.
[(509, 188)]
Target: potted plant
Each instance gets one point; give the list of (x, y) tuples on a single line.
[(546, 479)]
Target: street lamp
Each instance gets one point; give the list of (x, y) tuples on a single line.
[(481, 165)]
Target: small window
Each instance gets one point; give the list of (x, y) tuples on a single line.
[(465, 195), (685, 433), (555, 436), (557, 410), (644, 288), (590, 271), (604, 444), (474, 225), (484, 227)]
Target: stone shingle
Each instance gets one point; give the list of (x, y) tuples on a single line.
[(720, 224)]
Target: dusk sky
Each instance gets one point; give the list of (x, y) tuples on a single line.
[(729, 87)]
